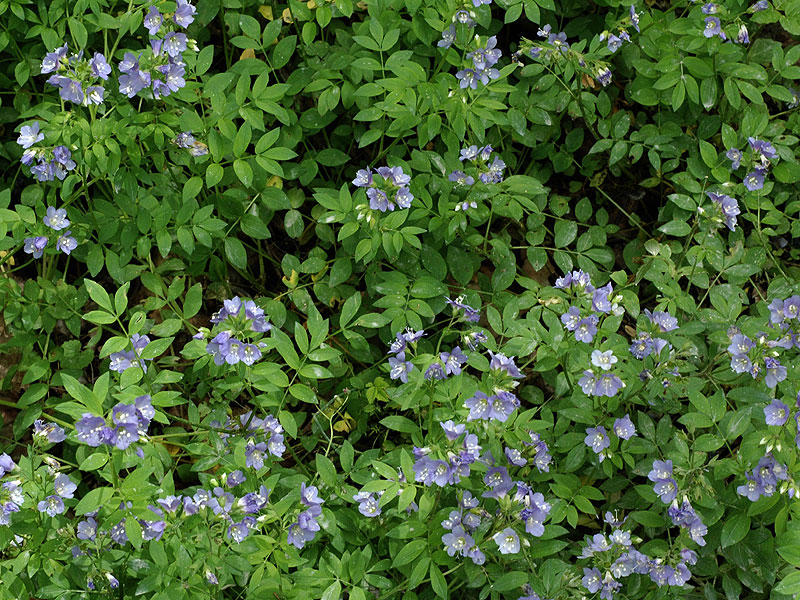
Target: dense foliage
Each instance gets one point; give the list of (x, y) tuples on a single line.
[(399, 299)]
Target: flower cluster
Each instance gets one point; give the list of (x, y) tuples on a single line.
[(596, 302), (556, 49), (237, 319), (483, 60), (763, 479), (399, 366), (487, 172), (163, 68), (649, 343), (390, 188), (75, 76), (129, 423), (614, 40), (460, 524), (57, 221), (51, 162), (755, 357), (306, 527), (682, 515), (713, 25), (727, 209), (124, 360), (619, 558), (761, 153), (597, 438), (64, 489), (236, 513), (186, 141), (11, 496), (262, 437)]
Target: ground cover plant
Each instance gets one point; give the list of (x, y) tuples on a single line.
[(399, 299)]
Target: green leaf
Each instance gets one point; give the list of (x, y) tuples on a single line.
[(510, 581), (98, 294), (735, 529), (409, 552), (565, 233), (193, 301), (94, 500), (438, 582), (326, 470), (235, 253), (399, 423), (789, 585), (94, 461), (243, 171), (676, 228)]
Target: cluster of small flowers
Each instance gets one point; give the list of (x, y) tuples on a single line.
[(263, 436), (124, 360), (761, 154), (368, 503), (391, 188), (557, 48), (76, 77), (726, 209), (461, 17), (750, 357), (541, 453), (11, 496), (763, 479), (57, 221), (600, 301), (470, 314), (617, 551), (306, 527), (488, 173), (604, 383), (483, 60), (222, 504), (460, 524), (238, 319), (129, 425), (51, 162), (502, 402), (163, 69), (64, 489), (598, 440), (613, 41), (647, 343), (399, 366), (713, 26), (667, 489), (186, 141), (429, 471)]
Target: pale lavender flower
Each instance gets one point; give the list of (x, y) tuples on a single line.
[(66, 243), (448, 37), (754, 180), (52, 505), (776, 413), (713, 27), (184, 13), (30, 135), (735, 156), (35, 246), (507, 541), (624, 428), (604, 360), (153, 20)]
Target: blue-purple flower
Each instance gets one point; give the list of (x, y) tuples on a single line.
[(35, 246), (448, 37), (153, 20), (776, 413), (735, 156), (30, 135), (56, 219), (597, 439), (507, 541), (184, 13), (624, 428), (713, 27)]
